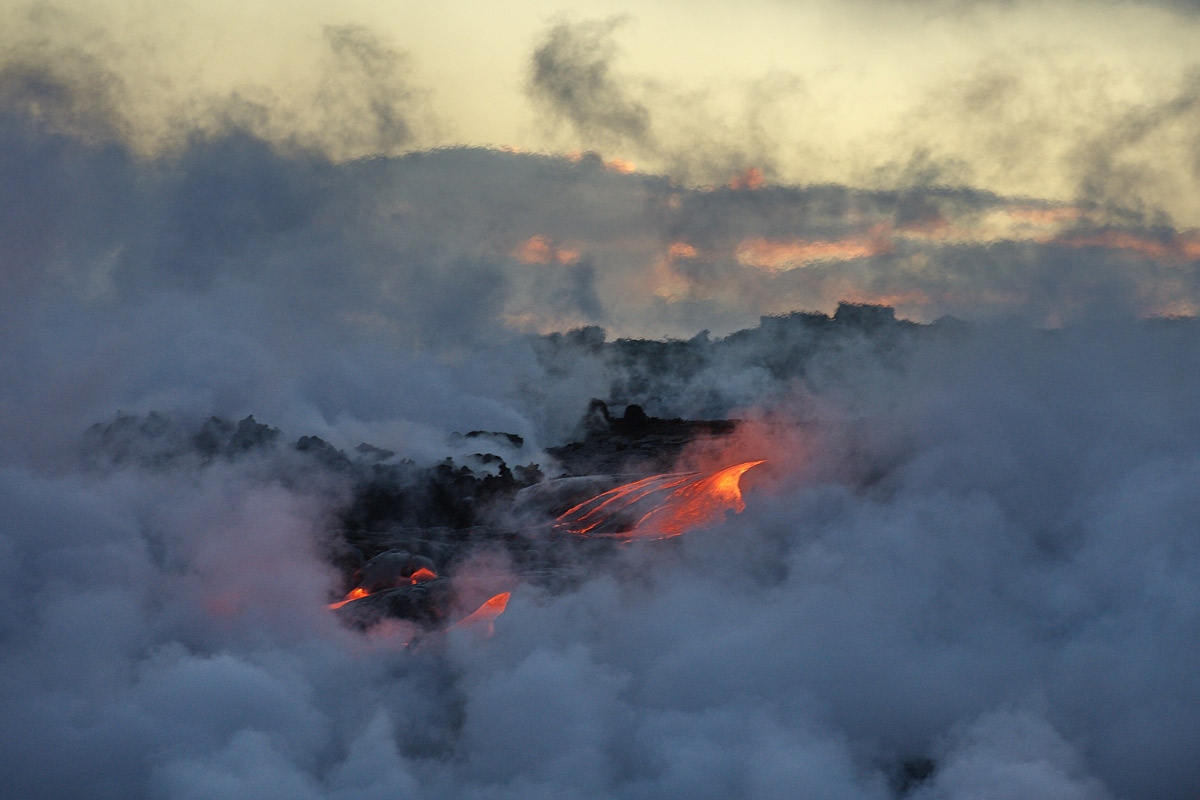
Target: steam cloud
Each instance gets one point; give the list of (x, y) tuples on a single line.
[(972, 569)]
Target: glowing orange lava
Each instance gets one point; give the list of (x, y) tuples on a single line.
[(355, 594), (678, 502), (483, 617), (422, 574)]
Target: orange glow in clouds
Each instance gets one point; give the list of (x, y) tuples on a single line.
[(781, 255), (542, 250), (617, 165), (681, 250), (1185, 248), (667, 282), (751, 179)]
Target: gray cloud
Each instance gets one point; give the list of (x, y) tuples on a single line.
[(571, 76), (1115, 171), (368, 99)]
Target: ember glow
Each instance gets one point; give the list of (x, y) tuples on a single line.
[(660, 506)]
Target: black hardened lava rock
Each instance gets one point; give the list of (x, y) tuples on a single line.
[(632, 442), (428, 603)]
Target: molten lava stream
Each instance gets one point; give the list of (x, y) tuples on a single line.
[(699, 503), (590, 514), (692, 500), (483, 617), (355, 594)]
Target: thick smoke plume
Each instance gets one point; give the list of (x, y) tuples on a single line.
[(968, 568)]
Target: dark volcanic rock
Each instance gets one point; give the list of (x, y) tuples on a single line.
[(634, 442), (372, 454), (155, 441), (393, 569), (250, 435), (499, 436), (446, 495), (324, 452), (784, 347), (428, 603)]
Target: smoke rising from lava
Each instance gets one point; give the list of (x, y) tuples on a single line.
[(969, 566)]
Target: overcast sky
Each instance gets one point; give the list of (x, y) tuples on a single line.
[(1018, 97)]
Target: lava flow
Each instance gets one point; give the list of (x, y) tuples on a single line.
[(420, 576), (355, 594), (660, 506), (483, 617)]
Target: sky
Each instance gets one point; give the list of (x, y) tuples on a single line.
[(1071, 126), (971, 547), (1009, 97)]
